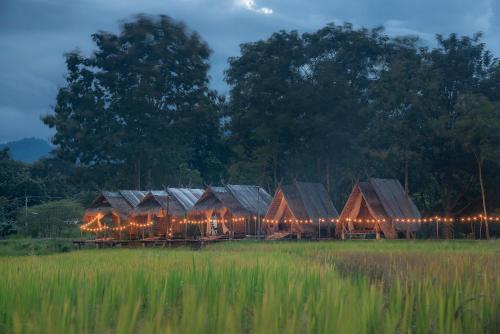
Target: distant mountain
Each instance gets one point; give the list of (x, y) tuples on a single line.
[(28, 150)]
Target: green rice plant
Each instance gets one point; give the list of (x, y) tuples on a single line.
[(257, 287)]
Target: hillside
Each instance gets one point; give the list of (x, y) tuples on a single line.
[(28, 150)]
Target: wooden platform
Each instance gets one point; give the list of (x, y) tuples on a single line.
[(100, 243), (361, 235), (278, 236)]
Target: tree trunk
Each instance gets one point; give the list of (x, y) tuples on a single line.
[(407, 190), (138, 174), (150, 179), (275, 170), (483, 195), (327, 176)]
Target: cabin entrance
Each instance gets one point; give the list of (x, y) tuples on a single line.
[(284, 226), (213, 225)]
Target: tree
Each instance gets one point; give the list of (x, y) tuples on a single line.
[(477, 128), (342, 64), (299, 102), (51, 219), (266, 106), (396, 130), (140, 104), (458, 66)]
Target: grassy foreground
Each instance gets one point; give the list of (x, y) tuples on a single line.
[(245, 287)]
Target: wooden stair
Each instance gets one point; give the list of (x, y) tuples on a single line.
[(278, 235), (214, 237)]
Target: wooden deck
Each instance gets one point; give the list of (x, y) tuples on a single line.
[(200, 242), (102, 243)]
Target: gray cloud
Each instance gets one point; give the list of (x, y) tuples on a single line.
[(34, 35)]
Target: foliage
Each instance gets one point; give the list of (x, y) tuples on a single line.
[(343, 104), (51, 219), (349, 287), (335, 106), (140, 105), (21, 246)]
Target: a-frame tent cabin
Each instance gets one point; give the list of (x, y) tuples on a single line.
[(300, 209), (379, 206), (109, 211), (231, 210), (162, 213)]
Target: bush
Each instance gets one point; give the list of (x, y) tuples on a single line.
[(51, 219), (15, 246)]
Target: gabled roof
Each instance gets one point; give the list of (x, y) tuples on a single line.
[(186, 197), (238, 199), (307, 200), (175, 200), (107, 202), (392, 197), (134, 197), (385, 198), (253, 198)]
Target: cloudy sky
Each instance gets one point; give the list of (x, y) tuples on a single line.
[(34, 34)]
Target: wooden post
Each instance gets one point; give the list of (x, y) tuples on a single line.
[(319, 228), (437, 229), (480, 228)]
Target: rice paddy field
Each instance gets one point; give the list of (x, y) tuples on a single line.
[(257, 287)]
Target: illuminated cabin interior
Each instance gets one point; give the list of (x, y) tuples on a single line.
[(232, 210), (162, 213), (376, 207), (300, 209), (107, 215)]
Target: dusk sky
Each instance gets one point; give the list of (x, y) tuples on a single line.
[(34, 35)]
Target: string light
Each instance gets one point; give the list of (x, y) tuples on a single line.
[(464, 219), (149, 223)]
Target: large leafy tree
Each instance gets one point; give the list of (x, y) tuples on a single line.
[(397, 128), (342, 64), (477, 128), (266, 106), (458, 66), (140, 105), (16, 182)]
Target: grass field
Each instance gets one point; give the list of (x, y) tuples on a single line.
[(246, 287)]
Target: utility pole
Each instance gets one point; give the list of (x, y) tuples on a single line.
[(319, 228), (167, 234), (258, 210)]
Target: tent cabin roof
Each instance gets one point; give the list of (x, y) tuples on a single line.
[(305, 200), (253, 198), (241, 200), (385, 199), (133, 197), (186, 197), (175, 200), (120, 203)]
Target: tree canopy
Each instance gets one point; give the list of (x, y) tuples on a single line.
[(335, 106), (342, 104), (140, 105)]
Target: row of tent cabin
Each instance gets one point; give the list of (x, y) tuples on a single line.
[(299, 209)]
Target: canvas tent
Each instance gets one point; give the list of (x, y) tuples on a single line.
[(111, 209), (379, 206), (300, 208), (233, 210), (166, 210)]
